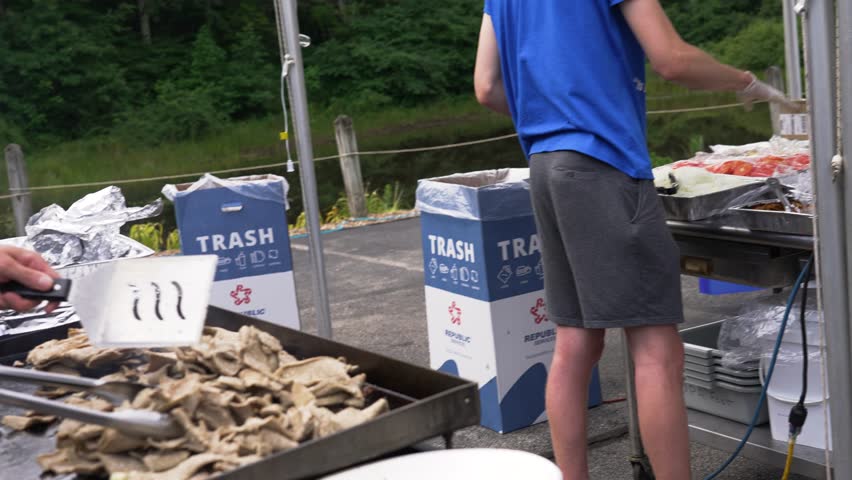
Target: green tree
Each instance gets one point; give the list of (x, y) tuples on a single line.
[(60, 74), (406, 52), (251, 76), (756, 47)]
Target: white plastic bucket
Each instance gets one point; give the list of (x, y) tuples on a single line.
[(457, 464), (784, 391)]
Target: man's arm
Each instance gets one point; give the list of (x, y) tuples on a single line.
[(487, 78), (674, 59)]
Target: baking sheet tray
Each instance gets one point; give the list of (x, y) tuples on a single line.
[(703, 206), (428, 404), (771, 221)]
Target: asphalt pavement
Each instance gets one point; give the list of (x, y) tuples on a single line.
[(375, 283)]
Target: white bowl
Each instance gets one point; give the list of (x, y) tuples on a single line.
[(457, 464)]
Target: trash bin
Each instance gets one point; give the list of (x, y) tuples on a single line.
[(485, 307), (243, 220)]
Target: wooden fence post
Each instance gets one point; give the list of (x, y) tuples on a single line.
[(18, 184), (776, 79), (350, 165)]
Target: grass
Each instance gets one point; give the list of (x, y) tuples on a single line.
[(255, 142), (243, 144)]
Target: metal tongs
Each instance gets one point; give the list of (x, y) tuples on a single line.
[(138, 423), (778, 189), (672, 189)]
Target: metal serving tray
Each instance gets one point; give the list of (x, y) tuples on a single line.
[(703, 206), (771, 221), (424, 404)]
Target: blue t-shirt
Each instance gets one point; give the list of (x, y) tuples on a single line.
[(574, 76)]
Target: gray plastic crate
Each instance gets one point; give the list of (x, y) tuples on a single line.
[(724, 400), (742, 382), (700, 346), (711, 388), (715, 368)]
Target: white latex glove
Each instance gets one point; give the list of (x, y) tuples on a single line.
[(758, 91)]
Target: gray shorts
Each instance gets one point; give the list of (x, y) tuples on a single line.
[(609, 258)]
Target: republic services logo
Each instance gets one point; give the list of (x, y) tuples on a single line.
[(241, 295), (539, 311), (455, 314)]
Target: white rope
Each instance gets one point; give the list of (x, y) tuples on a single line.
[(699, 109), (18, 192)]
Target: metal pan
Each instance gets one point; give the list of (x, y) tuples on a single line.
[(424, 404), (792, 223)]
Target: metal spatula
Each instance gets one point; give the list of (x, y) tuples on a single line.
[(148, 302)]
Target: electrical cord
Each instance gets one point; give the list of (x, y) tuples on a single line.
[(791, 444), (799, 413), (805, 273), (804, 339)]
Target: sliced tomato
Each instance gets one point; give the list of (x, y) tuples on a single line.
[(771, 159), (742, 168), (725, 168), (763, 170), (799, 162), (688, 163)]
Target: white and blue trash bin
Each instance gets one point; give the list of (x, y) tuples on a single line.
[(485, 306), (243, 220)]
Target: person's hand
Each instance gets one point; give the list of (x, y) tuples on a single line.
[(29, 269), (758, 91)]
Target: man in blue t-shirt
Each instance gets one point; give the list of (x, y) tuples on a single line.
[(571, 73)]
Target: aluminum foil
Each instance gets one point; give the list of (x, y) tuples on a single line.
[(88, 231), (14, 323), (75, 242)]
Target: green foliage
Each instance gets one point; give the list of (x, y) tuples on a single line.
[(148, 234), (756, 47), (706, 22), (251, 78), (696, 143), (173, 240), (670, 135), (60, 74), (301, 222), (178, 113), (407, 51), (338, 212), (90, 101)]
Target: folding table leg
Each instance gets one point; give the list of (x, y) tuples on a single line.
[(641, 465)]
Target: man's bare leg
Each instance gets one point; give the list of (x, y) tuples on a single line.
[(576, 353), (658, 357)]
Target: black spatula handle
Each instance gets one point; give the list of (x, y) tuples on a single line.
[(58, 293)]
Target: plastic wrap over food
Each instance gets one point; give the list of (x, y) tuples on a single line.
[(748, 337), (252, 186), (777, 157), (88, 231), (483, 195), (775, 146)]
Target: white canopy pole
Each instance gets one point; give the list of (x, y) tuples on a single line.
[(304, 148), (832, 215), (792, 58)]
